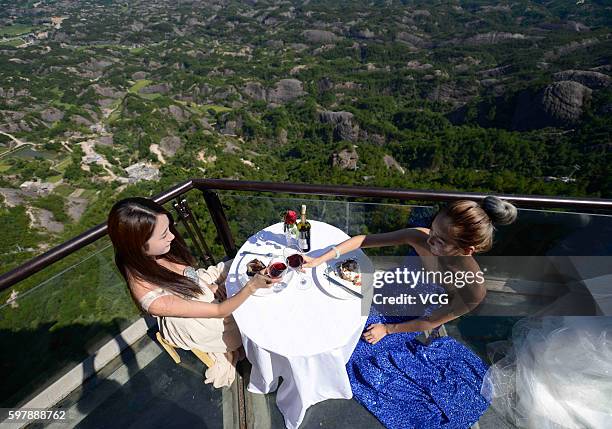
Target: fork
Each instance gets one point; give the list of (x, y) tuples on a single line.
[(269, 255)]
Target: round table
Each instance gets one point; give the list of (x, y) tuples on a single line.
[(304, 336)]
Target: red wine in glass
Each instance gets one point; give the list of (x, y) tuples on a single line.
[(295, 261), (277, 269)]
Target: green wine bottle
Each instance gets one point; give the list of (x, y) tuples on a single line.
[(303, 227)]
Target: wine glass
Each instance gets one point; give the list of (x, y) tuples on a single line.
[(295, 260), (277, 268)]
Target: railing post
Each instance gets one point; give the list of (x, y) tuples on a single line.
[(218, 217), (242, 369), (347, 216), (186, 215)]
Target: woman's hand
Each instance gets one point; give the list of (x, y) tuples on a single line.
[(261, 281), (375, 333), (310, 262)]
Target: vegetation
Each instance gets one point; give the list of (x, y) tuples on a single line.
[(15, 30), (429, 95)]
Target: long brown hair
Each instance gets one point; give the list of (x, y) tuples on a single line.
[(473, 224), (130, 225)]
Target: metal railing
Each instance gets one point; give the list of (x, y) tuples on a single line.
[(215, 208), (233, 204)]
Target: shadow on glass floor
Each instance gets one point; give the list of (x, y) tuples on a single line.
[(144, 388)]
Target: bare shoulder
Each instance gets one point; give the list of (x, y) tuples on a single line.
[(163, 305), (419, 241), (421, 232), (140, 288), (417, 236)]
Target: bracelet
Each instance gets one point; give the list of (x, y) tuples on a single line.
[(335, 249)]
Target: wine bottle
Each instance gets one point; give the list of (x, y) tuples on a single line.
[(304, 232)]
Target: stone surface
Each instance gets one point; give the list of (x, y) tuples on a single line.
[(569, 48), (412, 39), (285, 90), (255, 90), (97, 65), (346, 159), (105, 140), (417, 65), (12, 197), (139, 75), (345, 126), (493, 37), (44, 219), (76, 207), (161, 88), (560, 104), (298, 46), (232, 127), (51, 114), (78, 119), (390, 162), (107, 92), (568, 25), (319, 36), (169, 145), (281, 138), (591, 79), (363, 34), (177, 113), (449, 93)]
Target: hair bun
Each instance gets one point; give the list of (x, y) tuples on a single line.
[(499, 211)]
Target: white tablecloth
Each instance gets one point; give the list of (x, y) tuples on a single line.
[(304, 336)]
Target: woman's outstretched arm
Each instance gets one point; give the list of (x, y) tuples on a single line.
[(175, 306), (413, 236)]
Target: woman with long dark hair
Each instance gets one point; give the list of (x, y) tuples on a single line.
[(190, 304)]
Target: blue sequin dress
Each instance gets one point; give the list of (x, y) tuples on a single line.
[(407, 384)]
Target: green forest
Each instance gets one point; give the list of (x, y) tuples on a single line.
[(478, 96)]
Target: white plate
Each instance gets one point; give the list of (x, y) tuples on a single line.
[(243, 278), (332, 289)]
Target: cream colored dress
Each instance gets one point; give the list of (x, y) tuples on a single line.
[(220, 338)]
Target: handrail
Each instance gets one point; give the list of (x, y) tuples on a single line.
[(533, 201), (61, 251)]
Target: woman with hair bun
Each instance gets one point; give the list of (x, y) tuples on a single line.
[(403, 382), (462, 228), (472, 224)]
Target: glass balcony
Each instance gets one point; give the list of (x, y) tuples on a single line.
[(72, 337), (59, 317)]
